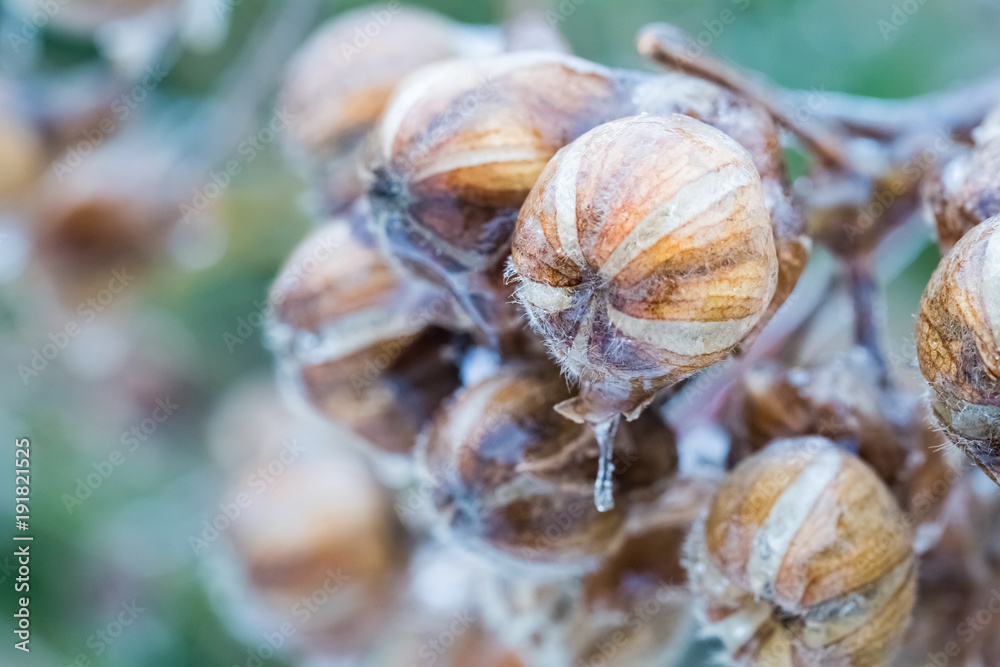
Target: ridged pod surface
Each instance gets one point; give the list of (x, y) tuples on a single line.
[(958, 344), (804, 559), (645, 252)]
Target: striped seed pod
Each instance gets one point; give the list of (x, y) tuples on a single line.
[(643, 254), (958, 345), (804, 558), (457, 151), (513, 480), (360, 344)]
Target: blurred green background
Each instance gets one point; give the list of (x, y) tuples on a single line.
[(129, 540)]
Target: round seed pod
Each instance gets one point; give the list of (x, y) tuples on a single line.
[(456, 153), (319, 536), (513, 481), (963, 191), (358, 342), (638, 277), (340, 80), (958, 344), (804, 558)]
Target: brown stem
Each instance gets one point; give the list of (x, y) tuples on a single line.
[(668, 46), (864, 296)]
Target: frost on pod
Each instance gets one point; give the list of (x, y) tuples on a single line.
[(340, 81), (320, 548), (643, 254), (803, 559), (958, 344), (457, 151), (513, 480), (963, 191), (360, 343)]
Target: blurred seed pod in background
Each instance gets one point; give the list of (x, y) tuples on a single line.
[(457, 151), (963, 191), (361, 344), (512, 480), (105, 213), (804, 558), (958, 345), (319, 548), (22, 152), (340, 80)]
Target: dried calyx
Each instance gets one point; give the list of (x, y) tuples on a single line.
[(361, 344), (963, 192), (335, 90), (804, 558), (958, 345), (513, 480), (638, 277)]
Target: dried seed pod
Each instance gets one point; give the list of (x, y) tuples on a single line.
[(111, 214), (340, 80), (456, 153), (963, 192), (958, 336), (22, 157), (638, 277), (319, 536), (804, 558), (634, 610), (842, 398), (360, 343), (513, 479)]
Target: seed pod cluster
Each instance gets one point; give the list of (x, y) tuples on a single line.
[(456, 153), (804, 558), (639, 275), (958, 344)]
